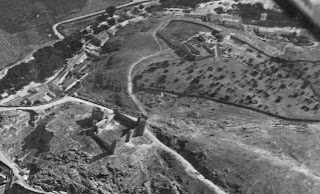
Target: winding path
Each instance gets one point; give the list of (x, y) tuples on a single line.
[(132, 66), (189, 169)]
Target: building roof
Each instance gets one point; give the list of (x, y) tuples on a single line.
[(79, 67), (196, 15), (32, 98), (69, 82), (95, 53), (55, 87), (191, 48), (209, 49), (56, 81), (214, 16), (230, 17), (231, 23), (110, 135), (44, 88), (124, 23), (283, 32), (111, 31), (76, 59), (47, 98), (103, 37), (90, 46), (202, 38), (124, 120)]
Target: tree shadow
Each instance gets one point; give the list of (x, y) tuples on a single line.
[(85, 123)]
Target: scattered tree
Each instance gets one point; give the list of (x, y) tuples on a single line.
[(111, 10), (111, 21)]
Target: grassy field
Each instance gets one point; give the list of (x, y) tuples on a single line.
[(181, 31), (108, 80), (69, 28)]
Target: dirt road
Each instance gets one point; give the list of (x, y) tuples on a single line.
[(189, 169)]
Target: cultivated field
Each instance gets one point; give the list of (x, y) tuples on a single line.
[(262, 86), (8, 50), (15, 47)]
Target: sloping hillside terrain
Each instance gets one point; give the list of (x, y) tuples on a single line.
[(182, 97)]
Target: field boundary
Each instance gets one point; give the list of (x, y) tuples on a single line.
[(137, 89)]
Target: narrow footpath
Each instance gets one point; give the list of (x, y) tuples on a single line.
[(189, 169)]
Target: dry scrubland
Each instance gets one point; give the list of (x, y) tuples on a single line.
[(239, 150), (182, 31), (61, 157), (242, 76)]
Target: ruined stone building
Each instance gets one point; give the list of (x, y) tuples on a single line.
[(112, 131)]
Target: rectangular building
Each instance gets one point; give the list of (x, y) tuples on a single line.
[(231, 21), (32, 98), (69, 84)]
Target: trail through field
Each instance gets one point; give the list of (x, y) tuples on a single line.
[(189, 169), (132, 66)]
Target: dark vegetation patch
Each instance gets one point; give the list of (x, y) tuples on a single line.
[(47, 60), (251, 14), (39, 138)]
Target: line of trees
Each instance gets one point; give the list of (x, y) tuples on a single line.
[(183, 3)]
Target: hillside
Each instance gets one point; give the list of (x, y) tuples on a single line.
[(182, 97)]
